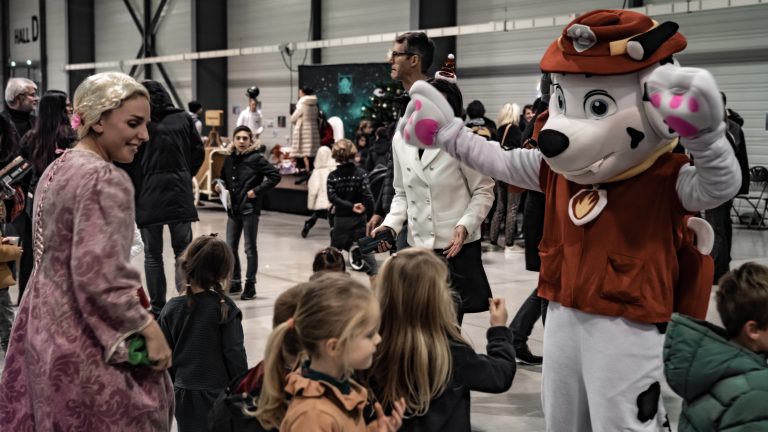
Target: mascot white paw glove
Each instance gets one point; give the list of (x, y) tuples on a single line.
[(687, 99), (425, 115)]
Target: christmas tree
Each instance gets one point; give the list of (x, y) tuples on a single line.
[(383, 105)]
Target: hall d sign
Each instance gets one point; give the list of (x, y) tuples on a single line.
[(21, 35)]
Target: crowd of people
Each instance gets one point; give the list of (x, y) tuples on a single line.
[(87, 351)]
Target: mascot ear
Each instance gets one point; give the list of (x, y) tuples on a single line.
[(654, 117)]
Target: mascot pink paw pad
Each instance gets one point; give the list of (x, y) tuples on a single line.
[(676, 101), (693, 104), (681, 126), (656, 100), (426, 130)]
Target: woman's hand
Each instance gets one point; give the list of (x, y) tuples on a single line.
[(499, 314), (158, 351), (395, 419), (358, 208), (459, 236), (251, 194)]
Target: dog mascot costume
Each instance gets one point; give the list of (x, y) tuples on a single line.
[(613, 254)]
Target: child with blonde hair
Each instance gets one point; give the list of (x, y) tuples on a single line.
[(423, 356), (336, 324), (204, 329)]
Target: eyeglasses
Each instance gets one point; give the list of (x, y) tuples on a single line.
[(392, 54)]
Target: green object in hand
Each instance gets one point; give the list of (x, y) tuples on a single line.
[(137, 350)]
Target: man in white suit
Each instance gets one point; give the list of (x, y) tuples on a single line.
[(443, 201)]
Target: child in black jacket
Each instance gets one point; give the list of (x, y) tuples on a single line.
[(350, 194), (246, 176), (423, 357), (205, 332)]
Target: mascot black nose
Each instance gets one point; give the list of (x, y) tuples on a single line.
[(552, 142)]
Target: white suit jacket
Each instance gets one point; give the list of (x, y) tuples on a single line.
[(434, 194)]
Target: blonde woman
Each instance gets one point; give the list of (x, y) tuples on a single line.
[(66, 367), (507, 197), (422, 356)]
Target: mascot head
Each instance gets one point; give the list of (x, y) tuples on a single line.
[(601, 127)]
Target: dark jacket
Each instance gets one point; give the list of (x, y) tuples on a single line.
[(724, 386), (244, 172), (509, 136), (242, 393), (207, 353), (387, 193), (378, 154), (348, 185), (163, 168), (735, 136), (21, 121), (492, 373)]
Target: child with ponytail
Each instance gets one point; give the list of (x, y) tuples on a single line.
[(423, 356), (204, 330), (336, 323)]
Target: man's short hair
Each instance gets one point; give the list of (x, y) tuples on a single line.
[(742, 297), (194, 106), (421, 45), (475, 109), (15, 87)]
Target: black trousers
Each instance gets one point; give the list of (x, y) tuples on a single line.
[(720, 219), (526, 317)]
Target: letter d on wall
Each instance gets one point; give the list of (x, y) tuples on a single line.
[(35, 28)]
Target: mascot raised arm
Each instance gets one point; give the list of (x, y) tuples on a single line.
[(617, 254)]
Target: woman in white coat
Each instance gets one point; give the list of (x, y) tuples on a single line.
[(306, 130), (317, 198), (444, 203)]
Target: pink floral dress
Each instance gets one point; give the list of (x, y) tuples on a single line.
[(65, 369)]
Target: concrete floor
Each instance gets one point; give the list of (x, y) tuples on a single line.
[(285, 260)]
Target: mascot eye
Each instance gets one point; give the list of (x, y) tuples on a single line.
[(598, 105), (560, 98)]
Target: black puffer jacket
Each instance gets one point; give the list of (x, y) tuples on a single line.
[(247, 171), (163, 168)]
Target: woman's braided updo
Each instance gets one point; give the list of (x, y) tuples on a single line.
[(102, 93)]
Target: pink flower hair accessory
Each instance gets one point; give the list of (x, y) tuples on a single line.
[(76, 121)]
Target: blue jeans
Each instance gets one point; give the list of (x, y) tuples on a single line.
[(154, 270), (237, 225)]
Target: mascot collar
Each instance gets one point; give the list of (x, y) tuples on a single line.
[(642, 166)]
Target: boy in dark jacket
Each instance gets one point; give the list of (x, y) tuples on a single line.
[(247, 176), (722, 374), (350, 194)]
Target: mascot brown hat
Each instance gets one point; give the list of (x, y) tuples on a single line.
[(612, 42)]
